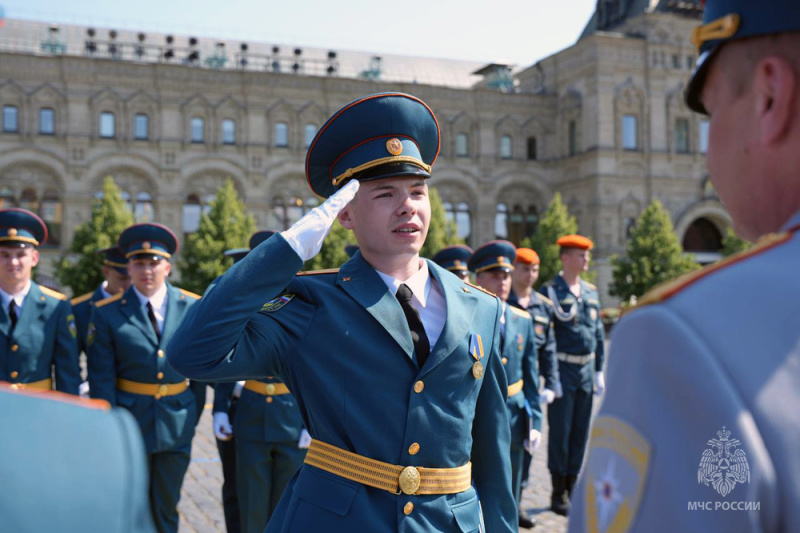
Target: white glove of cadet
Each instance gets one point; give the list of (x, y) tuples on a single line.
[(222, 426), (305, 440), (533, 441), (237, 389), (546, 396), (599, 383), (558, 390), (307, 234)]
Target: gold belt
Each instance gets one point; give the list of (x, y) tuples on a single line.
[(267, 389), (44, 384), (389, 477), (515, 388), (575, 359), (152, 389)]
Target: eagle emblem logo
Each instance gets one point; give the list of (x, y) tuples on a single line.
[(722, 465)]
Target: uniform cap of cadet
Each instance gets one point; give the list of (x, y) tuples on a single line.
[(494, 255), (575, 241), (19, 228)]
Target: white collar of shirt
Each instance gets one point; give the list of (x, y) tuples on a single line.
[(419, 283), (19, 297), (158, 301), (106, 294)]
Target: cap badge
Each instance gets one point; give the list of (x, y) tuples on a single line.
[(12, 232), (394, 146), (146, 245)]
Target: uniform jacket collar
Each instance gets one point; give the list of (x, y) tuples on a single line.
[(131, 307), (35, 306)]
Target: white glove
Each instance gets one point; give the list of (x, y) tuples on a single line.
[(222, 426), (546, 396), (305, 440), (307, 234), (237, 389), (533, 441), (83, 389), (558, 390), (599, 383)]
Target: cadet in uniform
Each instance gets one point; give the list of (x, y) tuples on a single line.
[(70, 464), (492, 266), (454, 258), (699, 429), (581, 352), (270, 439), (523, 277), (404, 398), (37, 328), (117, 279), (127, 342)]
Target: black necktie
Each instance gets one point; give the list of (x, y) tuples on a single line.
[(12, 314), (421, 345), (152, 316)]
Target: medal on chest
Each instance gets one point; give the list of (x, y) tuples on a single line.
[(476, 351)]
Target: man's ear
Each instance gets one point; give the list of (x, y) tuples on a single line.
[(346, 217), (775, 85)]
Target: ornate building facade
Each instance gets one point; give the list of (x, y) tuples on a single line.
[(602, 122)]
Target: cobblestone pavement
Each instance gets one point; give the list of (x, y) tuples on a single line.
[(201, 509)]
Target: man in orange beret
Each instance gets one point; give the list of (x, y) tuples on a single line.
[(580, 351), (523, 278)]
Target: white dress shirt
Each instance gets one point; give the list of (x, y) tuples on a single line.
[(106, 294), (159, 303), (6, 298), (427, 299)]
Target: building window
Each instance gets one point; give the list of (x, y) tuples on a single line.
[(676, 61), (703, 145), (630, 139), (141, 127), (521, 222), (281, 135), (689, 62), (192, 211), (228, 131), (506, 151), (143, 210), (573, 138), (309, 132), (47, 121), (501, 221), (287, 212), (682, 136), (532, 149), (460, 216), (10, 119), (462, 145), (7, 198), (52, 212), (107, 125), (28, 200), (198, 130)]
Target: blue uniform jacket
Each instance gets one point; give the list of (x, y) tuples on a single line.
[(122, 344), (43, 343), (257, 420), (585, 333), (519, 359), (82, 309), (341, 343), (541, 309)]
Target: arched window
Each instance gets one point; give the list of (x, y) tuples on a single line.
[(52, 212), (10, 119), (192, 211), (28, 200), (208, 199), (198, 130), (462, 145), (47, 121), (702, 236), (309, 132), (228, 131), (501, 221), (108, 125), (141, 127), (281, 135), (532, 155), (126, 197), (506, 150), (143, 211)]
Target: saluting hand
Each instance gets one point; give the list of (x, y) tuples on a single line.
[(307, 234)]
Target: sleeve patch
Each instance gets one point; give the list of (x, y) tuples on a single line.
[(277, 303), (73, 329), (90, 334)]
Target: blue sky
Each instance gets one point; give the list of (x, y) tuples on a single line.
[(513, 31)]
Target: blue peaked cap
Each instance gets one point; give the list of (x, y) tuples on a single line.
[(378, 136), (453, 258), (21, 228), (493, 255)]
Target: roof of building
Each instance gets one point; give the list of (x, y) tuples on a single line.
[(610, 14)]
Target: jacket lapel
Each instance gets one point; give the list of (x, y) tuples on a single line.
[(461, 305), (360, 281), (131, 307), (175, 304)]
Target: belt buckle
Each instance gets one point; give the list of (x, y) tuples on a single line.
[(409, 480), (163, 390), (270, 389)]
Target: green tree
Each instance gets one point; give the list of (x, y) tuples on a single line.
[(227, 225), (332, 254), (442, 232), (653, 255), (80, 267), (732, 243), (555, 223)]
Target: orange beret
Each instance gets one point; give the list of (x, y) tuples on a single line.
[(526, 256), (575, 241)]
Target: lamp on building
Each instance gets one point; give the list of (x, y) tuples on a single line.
[(243, 55), (91, 45), (139, 51), (333, 65), (112, 44), (194, 55), (276, 64), (170, 53), (297, 65)]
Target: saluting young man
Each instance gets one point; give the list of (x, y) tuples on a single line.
[(393, 361)]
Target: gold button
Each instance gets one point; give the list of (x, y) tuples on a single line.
[(41, 298), (407, 508), (160, 375), (124, 301), (418, 386), (14, 374), (413, 449), (161, 353), (14, 347), (269, 399), (505, 360)]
